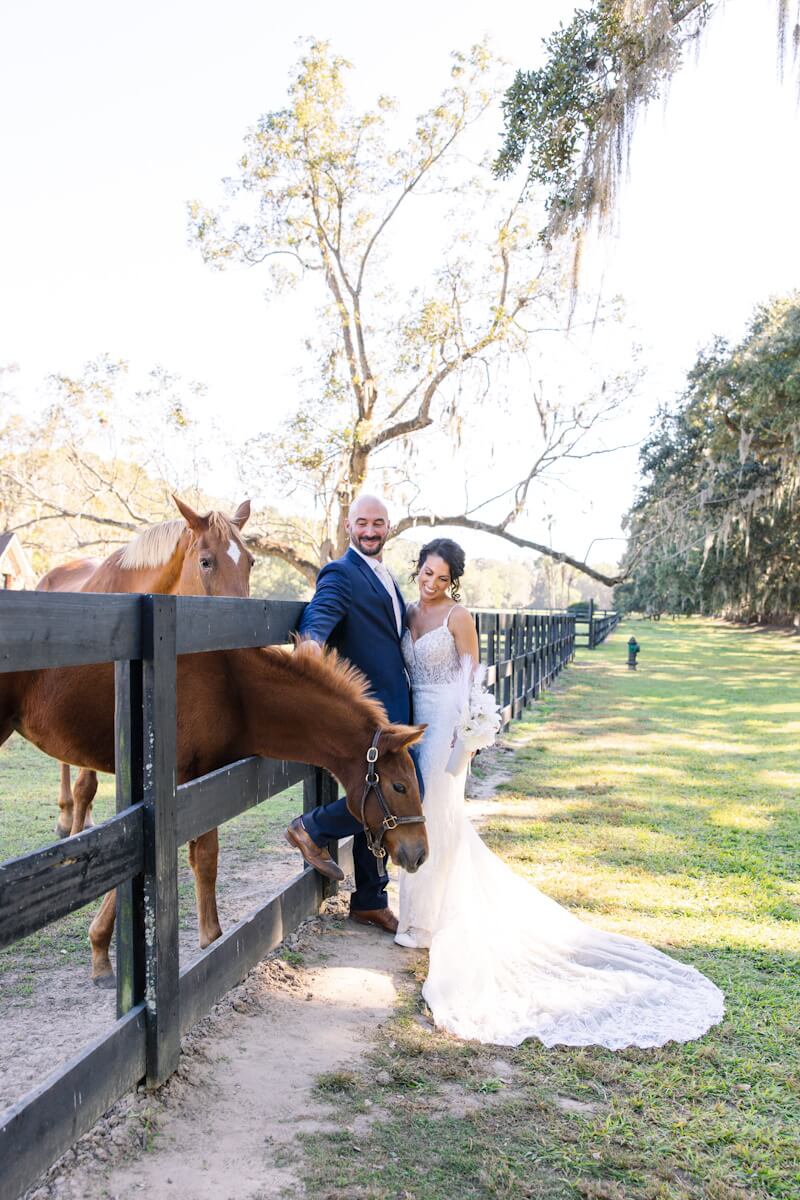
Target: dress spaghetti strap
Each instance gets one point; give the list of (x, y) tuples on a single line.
[(447, 615)]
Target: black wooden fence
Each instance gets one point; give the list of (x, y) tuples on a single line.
[(136, 850), (593, 625), (523, 652)]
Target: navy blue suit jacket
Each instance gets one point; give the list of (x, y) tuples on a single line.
[(352, 612)]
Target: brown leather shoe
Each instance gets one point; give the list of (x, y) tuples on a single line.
[(381, 918), (316, 856)]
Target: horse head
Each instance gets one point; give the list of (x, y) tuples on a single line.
[(388, 803), (217, 562)]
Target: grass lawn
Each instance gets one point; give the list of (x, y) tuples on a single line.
[(661, 804)]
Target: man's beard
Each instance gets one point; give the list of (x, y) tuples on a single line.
[(372, 549)]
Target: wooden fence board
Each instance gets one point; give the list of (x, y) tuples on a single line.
[(230, 623), (226, 962), (51, 1117), (212, 799), (61, 629), (43, 886)]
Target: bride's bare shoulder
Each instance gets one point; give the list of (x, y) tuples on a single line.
[(459, 617), (465, 635)]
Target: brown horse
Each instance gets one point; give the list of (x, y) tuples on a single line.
[(304, 707), (196, 556)]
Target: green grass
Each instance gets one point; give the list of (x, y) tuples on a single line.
[(661, 804)]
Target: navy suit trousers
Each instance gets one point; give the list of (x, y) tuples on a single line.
[(330, 822)]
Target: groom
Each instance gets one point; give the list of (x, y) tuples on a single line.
[(357, 609)]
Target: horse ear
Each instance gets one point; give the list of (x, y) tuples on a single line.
[(242, 515), (193, 520), (400, 737)]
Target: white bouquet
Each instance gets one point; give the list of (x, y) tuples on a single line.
[(478, 721)]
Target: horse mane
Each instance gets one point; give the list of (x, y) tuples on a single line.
[(332, 672), (152, 547), (155, 546)]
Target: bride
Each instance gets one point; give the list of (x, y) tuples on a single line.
[(506, 962)]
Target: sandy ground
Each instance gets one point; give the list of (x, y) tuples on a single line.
[(226, 1124)]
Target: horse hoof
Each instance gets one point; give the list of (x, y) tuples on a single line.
[(105, 981), (62, 833)]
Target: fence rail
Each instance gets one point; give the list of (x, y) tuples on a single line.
[(136, 850), (596, 624)]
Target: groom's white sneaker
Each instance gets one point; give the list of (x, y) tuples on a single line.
[(381, 918)]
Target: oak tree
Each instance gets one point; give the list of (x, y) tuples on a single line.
[(417, 332)]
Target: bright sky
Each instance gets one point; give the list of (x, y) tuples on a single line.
[(114, 116)]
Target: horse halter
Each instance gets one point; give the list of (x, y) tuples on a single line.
[(390, 821)]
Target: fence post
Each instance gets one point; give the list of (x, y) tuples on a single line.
[(529, 643), (129, 775), (508, 655), (548, 658), (160, 842), (511, 642), (491, 652), (322, 788)]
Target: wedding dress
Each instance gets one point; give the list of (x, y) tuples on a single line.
[(506, 962)]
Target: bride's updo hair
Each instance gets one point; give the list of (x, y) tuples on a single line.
[(453, 555)]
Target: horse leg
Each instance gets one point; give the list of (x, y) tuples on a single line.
[(83, 794), (101, 932), (203, 855), (65, 817)]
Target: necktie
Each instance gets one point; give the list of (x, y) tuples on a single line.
[(383, 574)]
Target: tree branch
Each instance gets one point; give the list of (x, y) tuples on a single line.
[(282, 550), (464, 522)]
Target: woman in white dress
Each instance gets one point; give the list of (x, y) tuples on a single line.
[(506, 962)]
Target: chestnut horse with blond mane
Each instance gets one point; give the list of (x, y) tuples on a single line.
[(304, 707), (195, 556)]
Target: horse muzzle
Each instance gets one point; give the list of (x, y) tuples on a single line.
[(410, 853)]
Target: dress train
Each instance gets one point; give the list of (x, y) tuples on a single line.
[(507, 962)]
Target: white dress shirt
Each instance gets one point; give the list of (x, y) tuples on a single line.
[(385, 576)]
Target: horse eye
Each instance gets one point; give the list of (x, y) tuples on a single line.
[(206, 563), (399, 787), (252, 560)]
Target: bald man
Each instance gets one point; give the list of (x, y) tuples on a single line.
[(358, 609)]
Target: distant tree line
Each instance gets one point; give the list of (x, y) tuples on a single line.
[(714, 528)]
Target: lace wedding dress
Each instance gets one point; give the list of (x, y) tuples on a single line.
[(506, 962)]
